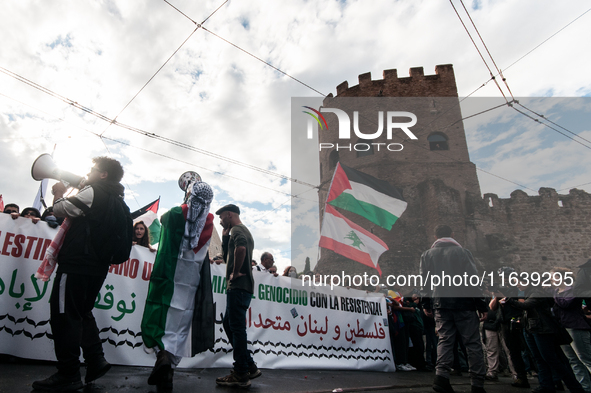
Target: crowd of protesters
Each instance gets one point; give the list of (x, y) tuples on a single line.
[(524, 331), (33, 214), (527, 333)]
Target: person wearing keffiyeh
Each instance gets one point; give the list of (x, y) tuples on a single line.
[(178, 319)]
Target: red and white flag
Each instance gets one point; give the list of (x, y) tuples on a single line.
[(350, 240)]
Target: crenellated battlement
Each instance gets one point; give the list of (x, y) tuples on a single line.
[(546, 198), (532, 232), (417, 84)]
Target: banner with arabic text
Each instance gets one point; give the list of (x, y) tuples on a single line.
[(287, 322)]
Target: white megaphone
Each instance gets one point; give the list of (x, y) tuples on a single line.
[(44, 168)]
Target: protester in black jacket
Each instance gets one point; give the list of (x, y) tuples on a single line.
[(454, 307), (80, 276), (542, 333)]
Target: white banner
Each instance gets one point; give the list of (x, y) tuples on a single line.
[(286, 323)]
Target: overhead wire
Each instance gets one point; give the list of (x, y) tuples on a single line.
[(126, 184), (551, 122), (263, 61), (167, 60), (293, 196), (477, 49), (546, 40), (153, 152), (552, 128), (487, 51), (150, 134), (157, 137), (507, 85), (150, 80), (243, 50), (504, 79)]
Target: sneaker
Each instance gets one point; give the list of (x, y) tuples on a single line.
[(402, 367), (442, 385), (409, 367), (520, 383), (234, 379), (253, 371), (59, 382), (491, 377), (97, 369)]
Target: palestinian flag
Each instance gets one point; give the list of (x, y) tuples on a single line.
[(178, 290), (375, 199), (153, 207), (350, 240), (148, 214)]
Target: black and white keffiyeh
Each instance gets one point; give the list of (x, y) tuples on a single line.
[(446, 240), (198, 202)]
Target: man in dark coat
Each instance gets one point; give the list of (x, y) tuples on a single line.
[(454, 308), (80, 276)]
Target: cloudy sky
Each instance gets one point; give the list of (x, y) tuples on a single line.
[(211, 97)]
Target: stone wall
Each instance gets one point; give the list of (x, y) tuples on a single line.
[(532, 233)]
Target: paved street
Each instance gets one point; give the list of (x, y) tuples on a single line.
[(16, 376)]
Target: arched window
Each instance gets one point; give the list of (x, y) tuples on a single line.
[(333, 158), (438, 142), (363, 144)]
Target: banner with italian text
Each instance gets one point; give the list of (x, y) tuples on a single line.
[(286, 323)]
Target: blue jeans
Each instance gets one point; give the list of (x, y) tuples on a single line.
[(579, 355), (237, 304), (548, 357)]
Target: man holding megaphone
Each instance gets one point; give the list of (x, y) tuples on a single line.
[(96, 233)]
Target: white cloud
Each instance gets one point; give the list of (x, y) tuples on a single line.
[(216, 98)]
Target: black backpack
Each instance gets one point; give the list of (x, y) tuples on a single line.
[(115, 229)]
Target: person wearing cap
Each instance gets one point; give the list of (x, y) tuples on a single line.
[(218, 259), (237, 247)]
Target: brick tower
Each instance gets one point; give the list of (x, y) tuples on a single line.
[(434, 171)]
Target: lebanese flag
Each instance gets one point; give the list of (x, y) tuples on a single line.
[(180, 280), (375, 199), (350, 240)]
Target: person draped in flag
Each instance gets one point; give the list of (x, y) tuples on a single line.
[(178, 319), (237, 247)]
